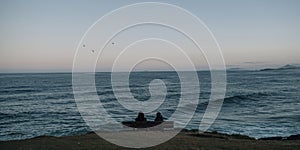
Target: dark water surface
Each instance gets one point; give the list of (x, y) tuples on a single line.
[(257, 103)]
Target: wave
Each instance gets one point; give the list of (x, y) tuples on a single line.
[(17, 87), (8, 118), (19, 91), (64, 95), (5, 115), (244, 97), (238, 99)]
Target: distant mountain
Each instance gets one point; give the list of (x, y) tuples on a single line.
[(286, 67)]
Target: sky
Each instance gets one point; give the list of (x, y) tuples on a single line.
[(42, 36)]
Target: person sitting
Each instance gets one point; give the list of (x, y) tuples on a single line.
[(159, 117), (140, 117)]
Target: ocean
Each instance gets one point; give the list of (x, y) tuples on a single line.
[(258, 104)]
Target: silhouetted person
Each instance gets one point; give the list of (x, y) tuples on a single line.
[(140, 117), (159, 117)]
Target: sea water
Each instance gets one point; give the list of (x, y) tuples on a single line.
[(257, 103)]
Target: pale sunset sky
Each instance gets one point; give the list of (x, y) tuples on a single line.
[(42, 36)]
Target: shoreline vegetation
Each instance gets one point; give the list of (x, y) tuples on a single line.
[(186, 139)]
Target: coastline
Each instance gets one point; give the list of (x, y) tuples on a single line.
[(186, 139)]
